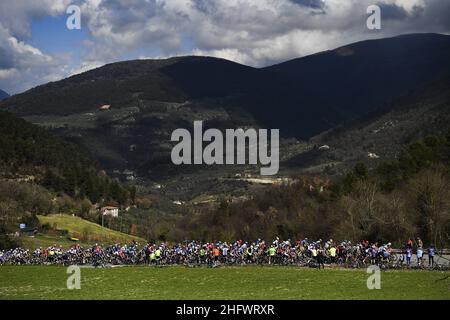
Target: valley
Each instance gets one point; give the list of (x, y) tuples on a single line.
[(123, 115)]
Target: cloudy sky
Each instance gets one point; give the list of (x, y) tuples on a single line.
[(36, 47)]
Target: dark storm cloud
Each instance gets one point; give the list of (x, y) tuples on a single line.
[(316, 4), (435, 16), (6, 58), (392, 11)]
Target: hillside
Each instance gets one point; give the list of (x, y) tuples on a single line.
[(357, 79), (403, 197), (384, 134), (86, 230), (305, 97), (201, 84), (31, 153), (3, 95), (42, 174), (362, 77), (360, 119)]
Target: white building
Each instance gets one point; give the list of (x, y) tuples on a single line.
[(110, 211), (372, 155)]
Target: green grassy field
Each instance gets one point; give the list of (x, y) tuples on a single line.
[(78, 228), (46, 240), (49, 282)]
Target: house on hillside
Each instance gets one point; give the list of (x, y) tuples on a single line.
[(372, 155), (324, 147), (110, 211), (129, 175)]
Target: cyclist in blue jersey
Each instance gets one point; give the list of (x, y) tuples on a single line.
[(431, 254), (408, 255)]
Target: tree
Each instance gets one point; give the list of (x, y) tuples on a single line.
[(433, 204)]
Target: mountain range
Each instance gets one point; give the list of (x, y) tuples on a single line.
[(123, 113), (382, 135), (3, 95)]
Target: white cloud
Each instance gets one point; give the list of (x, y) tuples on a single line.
[(22, 65), (7, 73), (16, 15), (85, 66), (253, 32)]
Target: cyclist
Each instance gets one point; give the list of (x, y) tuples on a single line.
[(431, 254), (158, 255), (249, 253), (332, 253), (419, 252), (202, 254), (321, 258), (408, 255), (225, 250), (216, 253), (400, 259), (314, 253), (272, 252), (152, 258)]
